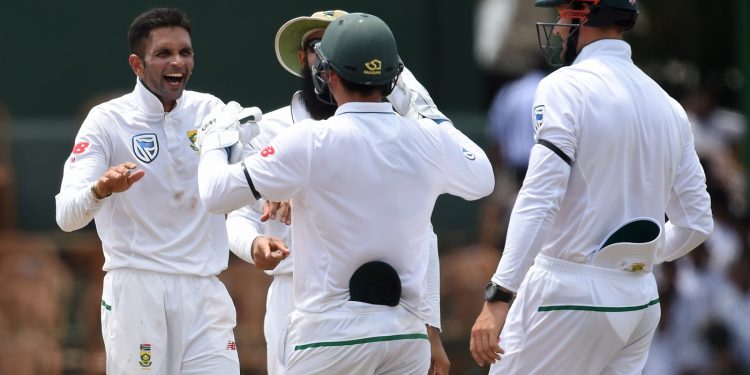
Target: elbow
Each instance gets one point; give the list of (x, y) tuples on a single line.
[(65, 225), (484, 185), (64, 217), (210, 188), (215, 192), (488, 184), (708, 228), (213, 203)]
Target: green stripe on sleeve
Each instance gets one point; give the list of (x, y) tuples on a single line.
[(597, 308), (108, 307), (366, 340)]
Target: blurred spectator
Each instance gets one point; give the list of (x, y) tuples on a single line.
[(463, 271), (36, 289), (504, 42), (719, 136), (724, 359), (734, 306), (510, 133), (725, 244)]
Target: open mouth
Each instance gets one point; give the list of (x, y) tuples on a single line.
[(174, 78)]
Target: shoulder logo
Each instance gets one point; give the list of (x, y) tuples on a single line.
[(145, 147), (468, 154), (373, 67), (538, 117)]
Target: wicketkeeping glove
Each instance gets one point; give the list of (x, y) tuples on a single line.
[(410, 99), (227, 127)]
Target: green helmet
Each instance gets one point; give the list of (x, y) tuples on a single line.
[(361, 49), (601, 12)]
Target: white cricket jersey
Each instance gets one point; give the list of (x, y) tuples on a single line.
[(364, 184), (160, 223), (244, 225), (631, 155)]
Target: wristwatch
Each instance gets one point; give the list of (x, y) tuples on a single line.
[(494, 292)]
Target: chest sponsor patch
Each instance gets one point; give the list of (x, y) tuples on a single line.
[(538, 117), (146, 147)]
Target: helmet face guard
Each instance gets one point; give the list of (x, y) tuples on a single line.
[(556, 50), (320, 76), (595, 13)]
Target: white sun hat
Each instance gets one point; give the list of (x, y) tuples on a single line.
[(290, 36)]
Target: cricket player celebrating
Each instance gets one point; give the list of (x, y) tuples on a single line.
[(133, 171), (614, 154), (249, 227), (363, 185)]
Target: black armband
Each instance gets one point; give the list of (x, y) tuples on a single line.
[(256, 194), (555, 149)]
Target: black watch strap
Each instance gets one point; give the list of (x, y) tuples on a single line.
[(494, 292)]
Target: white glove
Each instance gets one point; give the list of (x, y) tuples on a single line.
[(410, 99), (232, 125), (248, 129)]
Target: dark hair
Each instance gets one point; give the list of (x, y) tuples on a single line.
[(152, 19), (364, 89)]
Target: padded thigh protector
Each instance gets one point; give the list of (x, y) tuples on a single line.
[(376, 283)]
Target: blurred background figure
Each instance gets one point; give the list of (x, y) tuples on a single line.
[(510, 135)]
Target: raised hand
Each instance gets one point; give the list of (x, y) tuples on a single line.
[(117, 179)]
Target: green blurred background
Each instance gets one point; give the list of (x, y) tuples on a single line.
[(61, 58)]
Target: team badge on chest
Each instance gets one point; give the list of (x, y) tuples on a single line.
[(145, 147), (145, 355)]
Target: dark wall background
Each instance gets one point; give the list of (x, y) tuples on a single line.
[(59, 54)]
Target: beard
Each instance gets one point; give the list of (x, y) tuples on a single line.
[(317, 109)]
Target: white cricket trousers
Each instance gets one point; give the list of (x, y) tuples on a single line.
[(162, 324), (571, 318), (279, 304), (356, 338)]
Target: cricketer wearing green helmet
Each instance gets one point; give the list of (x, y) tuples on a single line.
[(561, 51), (361, 49)]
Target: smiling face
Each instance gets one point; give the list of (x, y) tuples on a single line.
[(165, 64)]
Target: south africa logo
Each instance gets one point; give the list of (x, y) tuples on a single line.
[(145, 355), (145, 147), (193, 136)]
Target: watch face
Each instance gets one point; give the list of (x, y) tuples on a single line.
[(489, 291), (493, 292)]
